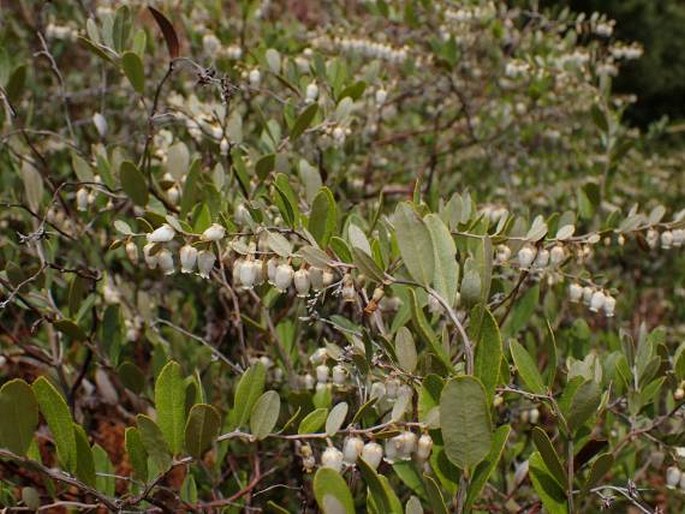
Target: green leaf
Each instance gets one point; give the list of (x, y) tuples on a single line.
[(250, 388), (437, 501), (527, 368), (425, 330), (313, 421), (133, 68), (549, 455), (154, 443), (56, 412), (133, 183), (446, 275), (523, 310), (553, 497), (265, 165), (82, 169), (323, 217), (104, 471), (170, 398), (584, 404), (19, 417), (366, 265), (415, 244), (331, 492), (482, 473), (265, 414), (485, 335), (85, 465), (405, 348), (336, 418), (600, 467), (202, 428), (70, 328), (137, 455), (465, 421), (380, 494), (303, 121)]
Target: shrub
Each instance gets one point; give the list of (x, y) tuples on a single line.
[(389, 256)]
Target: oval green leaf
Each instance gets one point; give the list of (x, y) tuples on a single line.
[(265, 414)]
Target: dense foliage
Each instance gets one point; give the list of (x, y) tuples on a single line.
[(386, 256)]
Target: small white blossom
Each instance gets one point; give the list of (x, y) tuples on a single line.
[(332, 458), (673, 475), (255, 77), (312, 92), (425, 445), (352, 449), (575, 292), (526, 256), (283, 277), (165, 261), (381, 96), (597, 301), (132, 251), (339, 375), (666, 239), (100, 124), (372, 453), (163, 234), (214, 233), (322, 373), (205, 262), (188, 255), (150, 260), (302, 282), (609, 306)]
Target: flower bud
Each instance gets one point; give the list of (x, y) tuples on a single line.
[(224, 146), (575, 292), (205, 262), (679, 394), (302, 282), (666, 239), (652, 237), (349, 294), (678, 237), (322, 373), (100, 124), (213, 233), (308, 381), (541, 259), (409, 443), (332, 458), (424, 448), (597, 301), (132, 251), (255, 77), (352, 449), (283, 277), (557, 255), (173, 194), (534, 416), (163, 234), (526, 256), (339, 375), (372, 453), (82, 199), (308, 463), (271, 267), (381, 96), (587, 294), (188, 255), (242, 215), (165, 261), (150, 260), (312, 92), (673, 475)]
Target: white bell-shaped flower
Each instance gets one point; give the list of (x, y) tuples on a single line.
[(165, 261), (150, 259), (302, 282), (163, 234), (352, 449), (332, 458), (283, 277), (205, 262), (372, 453), (188, 255), (215, 232), (424, 447)]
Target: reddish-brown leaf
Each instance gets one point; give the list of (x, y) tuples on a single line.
[(170, 35)]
